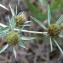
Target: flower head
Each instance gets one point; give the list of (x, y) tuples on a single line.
[(12, 38), (53, 30), (20, 19)]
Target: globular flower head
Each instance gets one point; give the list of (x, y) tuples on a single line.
[(53, 30), (20, 19), (12, 38)]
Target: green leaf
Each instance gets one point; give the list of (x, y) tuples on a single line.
[(39, 22), (49, 16), (14, 51), (22, 44), (51, 44), (12, 10), (3, 7), (27, 38), (4, 33), (59, 20), (4, 48), (58, 46)]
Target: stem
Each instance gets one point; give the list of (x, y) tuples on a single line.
[(25, 30), (34, 32)]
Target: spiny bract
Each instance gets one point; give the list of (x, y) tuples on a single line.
[(53, 30), (12, 38)]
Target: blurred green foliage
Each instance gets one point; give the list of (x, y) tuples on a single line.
[(56, 5), (36, 12)]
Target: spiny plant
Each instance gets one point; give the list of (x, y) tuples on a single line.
[(53, 30), (13, 36), (19, 19)]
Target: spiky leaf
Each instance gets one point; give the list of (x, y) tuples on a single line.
[(61, 36), (16, 10), (2, 29), (18, 2), (14, 51), (49, 16), (51, 44), (12, 23), (12, 10), (22, 44), (3, 7), (58, 46), (39, 22), (4, 48), (59, 20), (4, 33)]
